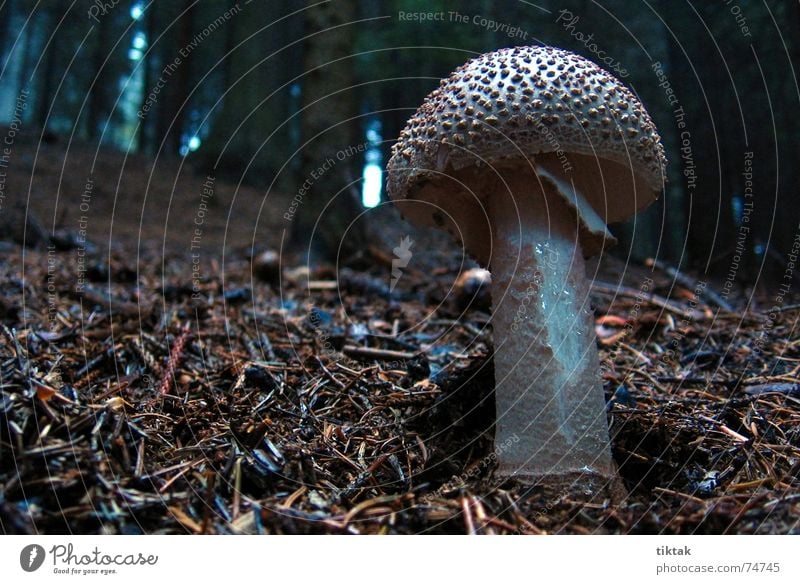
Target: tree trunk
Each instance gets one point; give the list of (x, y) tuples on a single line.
[(182, 80), (99, 93), (330, 154), (7, 14), (23, 75), (171, 110), (46, 86), (260, 59), (145, 138), (169, 114)]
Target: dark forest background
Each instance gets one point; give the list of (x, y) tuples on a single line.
[(262, 92)]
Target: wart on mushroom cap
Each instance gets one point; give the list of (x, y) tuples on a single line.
[(529, 152)]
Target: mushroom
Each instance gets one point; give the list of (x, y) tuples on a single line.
[(524, 155), (267, 267), (471, 289)]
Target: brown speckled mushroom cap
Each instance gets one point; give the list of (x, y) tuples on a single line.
[(541, 107)]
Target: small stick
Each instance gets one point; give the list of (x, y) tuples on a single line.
[(668, 305), (18, 353), (169, 483), (211, 479), (470, 328), (724, 429), (754, 501), (688, 283), (352, 513), (353, 351), (465, 507), (175, 358), (266, 346), (291, 499), (318, 285), (111, 304), (502, 524), (93, 363), (22, 359), (139, 471), (751, 484), (732, 433), (87, 379), (328, 374), (639, 355), (145, 355), (480, 513), (237, 488), (679, 494), (184, 519)]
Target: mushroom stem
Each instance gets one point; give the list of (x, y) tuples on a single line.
[(550, 420)]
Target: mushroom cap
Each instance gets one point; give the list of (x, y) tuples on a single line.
[(529, 107)]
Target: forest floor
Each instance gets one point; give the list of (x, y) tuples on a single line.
[(138, 395)]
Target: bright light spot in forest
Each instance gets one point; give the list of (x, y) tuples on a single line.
[(139, 41), (136, 11), (189, 145), (371, 190), (737, 207), (372, 173)]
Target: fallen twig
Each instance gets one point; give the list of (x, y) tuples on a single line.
[(175, 358), (689, 283)]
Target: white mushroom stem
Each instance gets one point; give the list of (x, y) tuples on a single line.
[(551, 417)]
